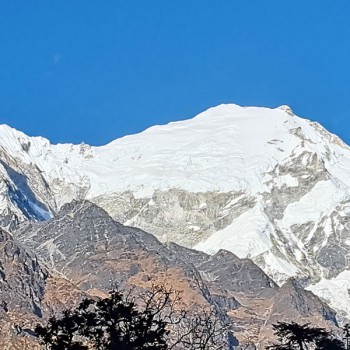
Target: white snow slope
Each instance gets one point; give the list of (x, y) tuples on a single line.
[(225, 148), (295, 173)]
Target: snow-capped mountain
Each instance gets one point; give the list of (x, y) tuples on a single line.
[(261, 183)]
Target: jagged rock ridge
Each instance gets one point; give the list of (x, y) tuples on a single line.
[(84, 244)]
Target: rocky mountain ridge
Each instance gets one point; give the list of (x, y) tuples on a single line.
[(29, 293), (83, 244)]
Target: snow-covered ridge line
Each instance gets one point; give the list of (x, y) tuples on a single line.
[(224, 148)]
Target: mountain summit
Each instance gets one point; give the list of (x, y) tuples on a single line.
[(259, 182)]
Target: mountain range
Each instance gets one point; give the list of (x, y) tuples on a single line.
[(248, 207)]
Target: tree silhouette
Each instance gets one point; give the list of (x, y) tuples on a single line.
[(119, 323), (346, 330), (59, 333), (329, 343), (293, 336)]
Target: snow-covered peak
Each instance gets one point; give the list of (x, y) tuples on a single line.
[(260, 182), (227, 147), (287, 109), (12, 139)]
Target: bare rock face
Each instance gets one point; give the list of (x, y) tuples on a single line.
[(22, 289), (297, 303), (177, 215), (245, 276), (29, 294), (306, 169), (22, 278), (292, 303), (84, 244)]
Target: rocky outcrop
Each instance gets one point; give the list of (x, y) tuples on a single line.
[(22, 291), (22, 278), (177, 215)]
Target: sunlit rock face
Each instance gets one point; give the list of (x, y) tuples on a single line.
[(83, 244), (261, 183)]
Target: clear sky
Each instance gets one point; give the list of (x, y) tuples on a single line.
[(95, 70)]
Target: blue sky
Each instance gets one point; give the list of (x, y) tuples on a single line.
[(93, 71)]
